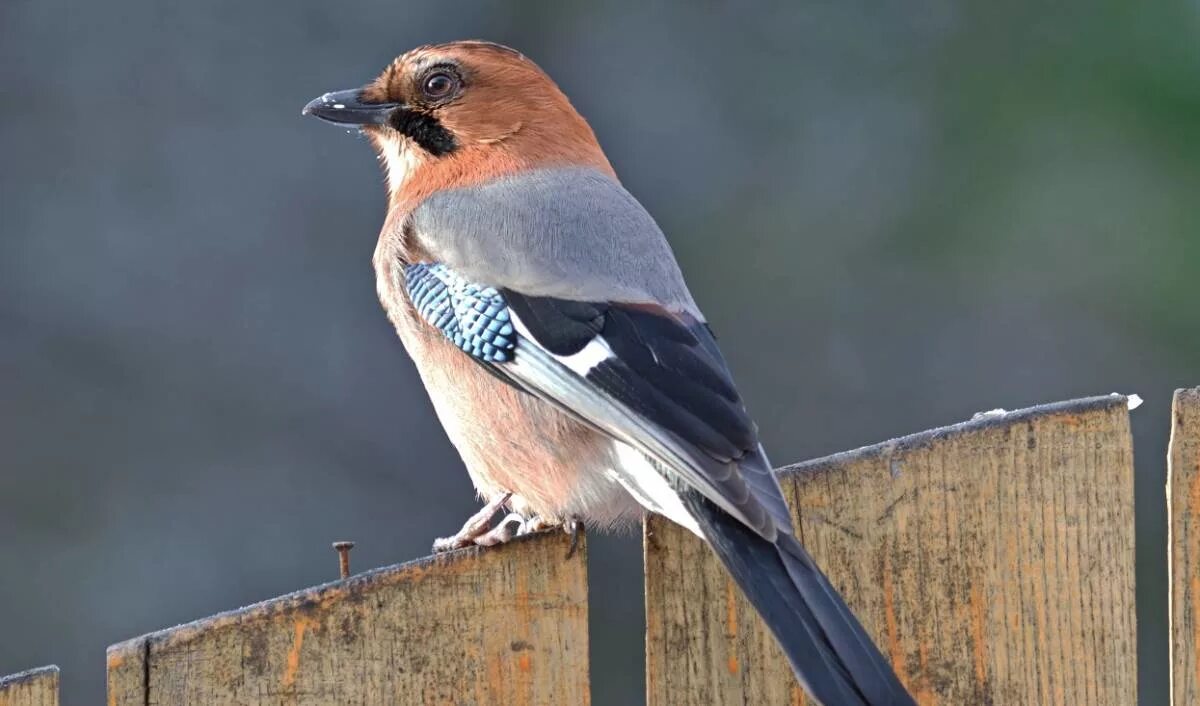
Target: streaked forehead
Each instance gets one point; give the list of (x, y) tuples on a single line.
[(452, 52)]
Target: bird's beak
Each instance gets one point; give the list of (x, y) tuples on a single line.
[(348, 108)]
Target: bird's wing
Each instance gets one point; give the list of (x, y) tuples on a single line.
[(644, 376), (656, 381)]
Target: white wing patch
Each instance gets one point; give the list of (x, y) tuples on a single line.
[(595, 352)]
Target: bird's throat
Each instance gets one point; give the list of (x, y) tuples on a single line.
[(401, 159)]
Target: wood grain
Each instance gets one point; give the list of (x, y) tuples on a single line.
[(36, 687), (507, 625), (1183, 546), (993, 562)]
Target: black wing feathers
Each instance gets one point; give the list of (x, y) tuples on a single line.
[(684, 393), (560, 326), (659, 368)]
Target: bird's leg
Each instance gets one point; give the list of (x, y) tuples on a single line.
[(478, 526), (573, 526)]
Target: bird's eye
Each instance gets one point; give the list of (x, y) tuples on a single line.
[(439, 85)]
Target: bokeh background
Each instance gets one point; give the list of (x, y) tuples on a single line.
[(895, 214)]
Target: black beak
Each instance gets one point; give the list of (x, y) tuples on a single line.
[(347, 108)]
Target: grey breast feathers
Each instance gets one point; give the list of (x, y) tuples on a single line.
[(572, 233)]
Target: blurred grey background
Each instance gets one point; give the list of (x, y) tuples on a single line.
[(894, 214)]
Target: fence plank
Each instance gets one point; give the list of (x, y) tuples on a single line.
[(1183, 506), (36, 687), (993, 561), (505, 625)]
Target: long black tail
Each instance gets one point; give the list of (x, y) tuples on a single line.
[(832, 656)]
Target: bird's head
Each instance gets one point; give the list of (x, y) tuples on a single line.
[(455, 114)]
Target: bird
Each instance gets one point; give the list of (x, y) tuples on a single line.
[(563, 353)]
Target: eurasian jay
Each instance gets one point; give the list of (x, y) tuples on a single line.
[(563, 353)]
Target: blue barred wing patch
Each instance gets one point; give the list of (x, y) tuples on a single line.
[(473, 317)]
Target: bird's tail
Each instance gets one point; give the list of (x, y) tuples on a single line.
[(832, 656)]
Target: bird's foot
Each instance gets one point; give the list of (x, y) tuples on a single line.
[(508, 528), (571, 526), (536, 524), (479, 532), (478, 529)]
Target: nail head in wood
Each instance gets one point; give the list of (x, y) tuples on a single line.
[(343, 550)]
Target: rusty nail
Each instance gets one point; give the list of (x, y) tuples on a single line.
[(343, 550)]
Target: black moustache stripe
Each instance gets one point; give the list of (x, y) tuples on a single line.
[(423, 129)]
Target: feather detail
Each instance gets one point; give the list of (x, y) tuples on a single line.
[(474, 318)]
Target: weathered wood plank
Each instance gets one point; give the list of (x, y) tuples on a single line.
[(36, 687), (1183, 506), (993, 561), (505, 625), (127, 673)]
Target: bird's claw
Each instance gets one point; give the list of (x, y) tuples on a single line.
[(534, 525), (478, 530), (573, 527)]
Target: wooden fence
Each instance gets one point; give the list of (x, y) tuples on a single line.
[(37, 687), (993, 561)]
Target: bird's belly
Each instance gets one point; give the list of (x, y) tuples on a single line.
[(510, 441)]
